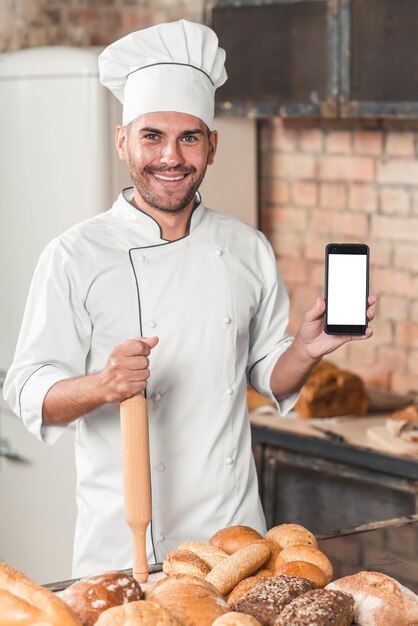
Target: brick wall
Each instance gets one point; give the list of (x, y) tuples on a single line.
[(323, 182), (28, 23), (319, 182)]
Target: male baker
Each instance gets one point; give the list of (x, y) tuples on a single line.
[(163, 293)]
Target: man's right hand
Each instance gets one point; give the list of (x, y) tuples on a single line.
[(125, 375), (127, 369)]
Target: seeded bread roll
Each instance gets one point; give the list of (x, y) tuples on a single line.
[(185, 562), (266, 601), (379, 600), (191, 600), (303, 569), (242, 563), (24, 603), (233, 538), (286, 535), (236, 619), (140, 613), (248, 583), (318, 608), (311, 555), (210, 554)]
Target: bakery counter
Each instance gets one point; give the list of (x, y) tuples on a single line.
[(332, 473), (389, 546)]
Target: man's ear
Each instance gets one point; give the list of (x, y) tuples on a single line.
[(213, 144), (120, 142)]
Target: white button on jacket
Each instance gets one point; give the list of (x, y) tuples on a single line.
[(92, 291)]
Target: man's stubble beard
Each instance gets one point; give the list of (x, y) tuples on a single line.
[(162, 203)]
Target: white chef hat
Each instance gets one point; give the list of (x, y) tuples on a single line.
[(168, 67)]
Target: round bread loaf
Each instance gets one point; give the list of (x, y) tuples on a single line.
[(248, 583), (303, 569), (318, 608), (25, 603), (185, 562), (142, 612), (309, 554), (191, 600), (210, 554), (379, 600), (286, 535), (236, 619), (90, 596), (242, 563), (266, 601), (234, 538)]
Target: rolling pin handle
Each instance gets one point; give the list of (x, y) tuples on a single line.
[(136, 477)]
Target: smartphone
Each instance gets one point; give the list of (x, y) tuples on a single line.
[(346, 288)]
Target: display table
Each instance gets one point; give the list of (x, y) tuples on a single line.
[(328, 481)]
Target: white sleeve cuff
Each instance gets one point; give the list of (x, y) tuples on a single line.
[(260, 374), (31, 399)]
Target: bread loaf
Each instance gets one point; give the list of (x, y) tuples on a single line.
[(242, 563), (233, 538), (379, 600), (185, 562), (24, 603), (303, 569), (274, 559), (236, 619), (404, 424), (191, 600), (92, 595), (330, 391), (310, 555), (139, 613), (320, 607), (266, 601), (210, 554), (248, 583), (286, 535)]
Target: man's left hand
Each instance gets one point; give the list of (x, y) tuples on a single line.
[(313, 338)]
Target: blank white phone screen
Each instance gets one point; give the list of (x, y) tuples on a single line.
[(347, 289)]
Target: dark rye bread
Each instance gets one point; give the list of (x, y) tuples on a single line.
[(320, 607), (266, 601)]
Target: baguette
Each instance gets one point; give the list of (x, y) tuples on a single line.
[(242, 563)]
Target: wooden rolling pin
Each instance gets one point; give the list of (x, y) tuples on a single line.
[(136, 478)]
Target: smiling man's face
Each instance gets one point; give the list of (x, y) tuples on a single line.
[(167, 155)]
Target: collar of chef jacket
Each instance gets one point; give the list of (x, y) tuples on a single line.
[(128, 211)]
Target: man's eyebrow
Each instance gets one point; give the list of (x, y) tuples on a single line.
[(147, 129), (195, 131)]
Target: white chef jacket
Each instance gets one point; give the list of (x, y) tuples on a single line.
[(217, 303)]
